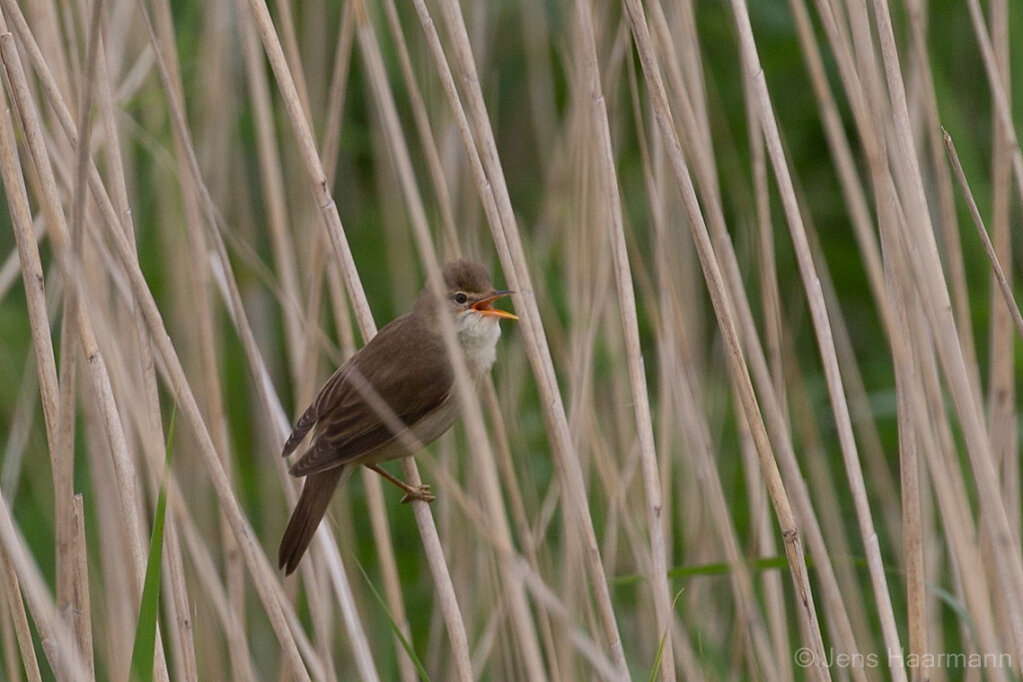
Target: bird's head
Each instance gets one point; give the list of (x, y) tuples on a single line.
[(470, 295), (469, 298)]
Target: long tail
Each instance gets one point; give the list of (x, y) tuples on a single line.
[(309, 511)]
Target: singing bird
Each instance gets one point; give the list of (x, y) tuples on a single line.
[(404, 372)]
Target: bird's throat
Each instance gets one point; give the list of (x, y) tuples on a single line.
[(478, 335)]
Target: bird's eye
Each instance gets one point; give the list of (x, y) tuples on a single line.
[(460, 298)]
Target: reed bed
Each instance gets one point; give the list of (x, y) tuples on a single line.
[(757, 419)]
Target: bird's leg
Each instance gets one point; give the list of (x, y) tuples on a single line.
[(412, 492)]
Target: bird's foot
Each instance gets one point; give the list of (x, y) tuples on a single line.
[(412, 492), (417, 492)]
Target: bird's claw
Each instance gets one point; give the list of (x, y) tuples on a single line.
[(419, 492)]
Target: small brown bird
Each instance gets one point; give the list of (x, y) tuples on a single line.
[(406, 366)]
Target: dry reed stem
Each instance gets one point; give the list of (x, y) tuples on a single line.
[(79, 600), (55, 638), (342, 588), (62, 453), (207, 575), (340, 581), (978, 222), (555, 607), (695, 428), (151, 429), (175, 570), (336, 95), (23, 422), (434, 552), (307, 150), (1002, 390), (144, 297), (945, 539), (927, 426), (9, 273), (878, 472), (42, 344), (293, 54), (190, 170), (28, 119), (690, 101), (289, 302), (32, 278), (926, 106), (835, 608), (821, 475), (254, 558), (520, 565), (822, 327), (671, 340), (924, 261), (357, 637), (72, 580), (768, 272), (428, 144), (477, 138), (607, 186), (384, 547), (868, 248), (697, 433), (472, 512), (723, 310), (272, 184), (520, 519), (1001, 109), (912, 534), (845, 165), (470, 407), (22, 631), (127, 490), (1002, 349)]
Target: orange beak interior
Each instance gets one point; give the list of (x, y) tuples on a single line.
[(484, 306)]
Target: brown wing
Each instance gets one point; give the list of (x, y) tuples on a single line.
[(412, 379)]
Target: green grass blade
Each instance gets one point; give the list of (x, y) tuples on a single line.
[(717, 568), (664, 636), (143, 653), (394, 625)]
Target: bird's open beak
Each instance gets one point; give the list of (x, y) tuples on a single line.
[(483, 306)]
